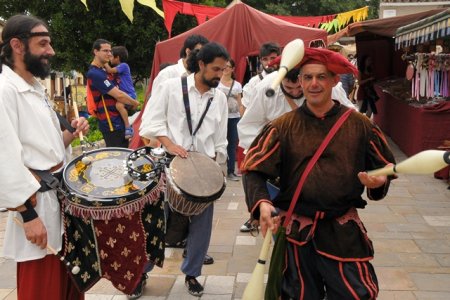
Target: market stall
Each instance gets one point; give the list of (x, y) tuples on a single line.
[(415, 113), (414, 110)]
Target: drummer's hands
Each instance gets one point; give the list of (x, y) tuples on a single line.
[(36, 232), (266, 220), (175, 149), (80, 125)]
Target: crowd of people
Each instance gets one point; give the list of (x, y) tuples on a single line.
[(198, 105)]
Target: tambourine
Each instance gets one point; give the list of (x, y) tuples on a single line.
[(159, 159)]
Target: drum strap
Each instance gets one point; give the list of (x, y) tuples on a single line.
[(188, 107), (64, 123), (48, 179)]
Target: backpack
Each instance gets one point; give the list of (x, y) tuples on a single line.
[(90, 103)]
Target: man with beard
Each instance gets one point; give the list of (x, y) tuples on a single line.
[(166, 120), (267, 53), (177, 70), (34, 141), (106, 94)]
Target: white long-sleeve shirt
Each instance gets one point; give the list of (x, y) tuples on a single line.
[(31, 138), (173, 71), (248, 90), (263, 109), (167, 117)]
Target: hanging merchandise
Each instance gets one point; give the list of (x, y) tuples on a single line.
[(429, 75)]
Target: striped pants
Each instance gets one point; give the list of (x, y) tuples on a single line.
[(311, 276)]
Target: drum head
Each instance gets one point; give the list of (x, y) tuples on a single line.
[(197, 175), (106, 177)]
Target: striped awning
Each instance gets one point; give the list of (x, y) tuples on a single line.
[(428, 29)]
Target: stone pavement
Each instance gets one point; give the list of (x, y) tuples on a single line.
[(410, 230)]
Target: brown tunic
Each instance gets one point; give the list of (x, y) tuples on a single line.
[(283, 150)]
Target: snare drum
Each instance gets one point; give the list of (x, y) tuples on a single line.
[(193, 183), (113, 224)]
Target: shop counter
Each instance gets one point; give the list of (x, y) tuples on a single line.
[(412, 128)]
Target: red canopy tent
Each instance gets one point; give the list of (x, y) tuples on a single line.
[(241, 29)]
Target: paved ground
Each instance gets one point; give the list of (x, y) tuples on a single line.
[(410, 230)]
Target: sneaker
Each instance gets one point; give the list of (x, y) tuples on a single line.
[(129, 132), (232, 177), (137, 293), (248, 226), (193, 286), (207, 261), (3, 209)]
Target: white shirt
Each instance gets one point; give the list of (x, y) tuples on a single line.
[(232, 100), (31, 138), (249, 88), (167, 117), (172, 71), (263, 109)]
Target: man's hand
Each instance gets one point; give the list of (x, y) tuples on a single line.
[(372, 182), (80, 125), (36, 232), (266, 220), (175, 149)]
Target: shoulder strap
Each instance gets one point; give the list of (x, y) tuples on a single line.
[(64, 123), (108, 118), (187, 107), (313, 161), (231, 88)]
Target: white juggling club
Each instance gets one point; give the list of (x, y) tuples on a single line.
[(425, 162), (292, 54)]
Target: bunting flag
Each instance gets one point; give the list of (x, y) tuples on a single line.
[(85, 4), (344, 18), (152, 5), (203, 12), (127, 8)]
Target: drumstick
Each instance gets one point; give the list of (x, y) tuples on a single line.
[(85, 160), (74, 269), (255, 287), (425, 162), (292, 54)]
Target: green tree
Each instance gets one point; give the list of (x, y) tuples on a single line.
[(74, 29)]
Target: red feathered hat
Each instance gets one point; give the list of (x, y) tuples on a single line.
[(334, 61)]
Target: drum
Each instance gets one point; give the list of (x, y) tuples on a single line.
[(103, 189), (113, 223), (193, 183)]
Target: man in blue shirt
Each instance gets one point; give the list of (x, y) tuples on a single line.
[(106, 94)]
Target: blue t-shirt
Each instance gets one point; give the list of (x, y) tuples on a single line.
[(124, 80), (100, 85)]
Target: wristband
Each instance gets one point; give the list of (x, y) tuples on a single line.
[(30, 213)]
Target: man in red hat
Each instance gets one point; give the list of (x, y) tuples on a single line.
[(328, 250)]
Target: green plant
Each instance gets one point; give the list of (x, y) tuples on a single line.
[(140, 94)]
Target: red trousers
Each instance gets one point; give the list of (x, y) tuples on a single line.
[(240, 158), (45, 278)]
